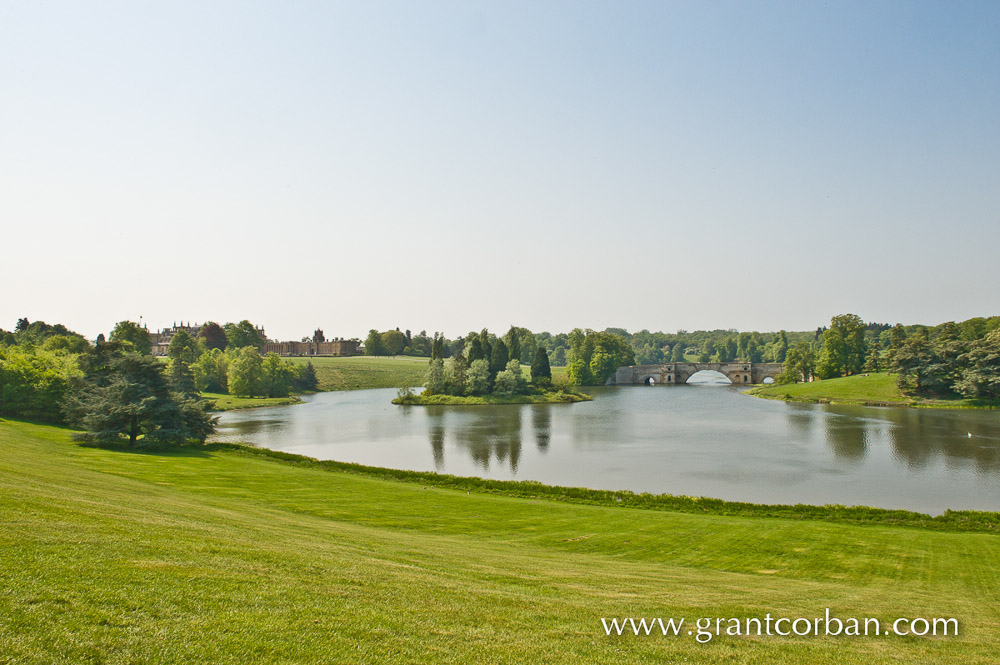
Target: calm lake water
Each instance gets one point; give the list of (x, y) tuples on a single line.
[(696, 440)]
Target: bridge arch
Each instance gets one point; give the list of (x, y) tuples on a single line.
[(708, 377)]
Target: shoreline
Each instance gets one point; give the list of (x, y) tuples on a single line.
[(979, 521)]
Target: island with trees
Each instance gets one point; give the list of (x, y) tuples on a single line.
[(487, 370)]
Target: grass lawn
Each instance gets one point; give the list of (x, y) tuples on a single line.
[(225, 402), (872, 388), (212, 556), (361, 372)]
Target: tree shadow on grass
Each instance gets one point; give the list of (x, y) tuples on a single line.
[(160, 450)]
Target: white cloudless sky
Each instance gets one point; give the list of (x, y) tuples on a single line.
[(454, 165)]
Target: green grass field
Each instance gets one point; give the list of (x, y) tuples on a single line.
[(361, 372), (226, 402), (876, 387), (206, 556), (872, 388)]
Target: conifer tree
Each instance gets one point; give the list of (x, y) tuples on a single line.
[(541, 372)]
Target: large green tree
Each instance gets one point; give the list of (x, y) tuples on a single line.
[(127, 396), (374, 345), (134, 334), (246, 373), (844, 347), (34, 381), (596, 356), (243, 334), (393, 342)]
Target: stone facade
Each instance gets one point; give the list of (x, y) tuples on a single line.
[(334, 347), (678, 373)]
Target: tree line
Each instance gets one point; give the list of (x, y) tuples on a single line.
[(115, 389)]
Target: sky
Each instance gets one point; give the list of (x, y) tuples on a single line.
[(458, 165)]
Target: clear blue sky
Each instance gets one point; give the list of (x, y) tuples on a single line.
[(450, 166)]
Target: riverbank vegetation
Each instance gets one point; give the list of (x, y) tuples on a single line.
[(297, 561), (952, 364)]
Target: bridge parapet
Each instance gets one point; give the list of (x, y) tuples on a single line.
[(679, 373)]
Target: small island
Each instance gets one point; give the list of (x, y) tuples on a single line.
[(490, 374)]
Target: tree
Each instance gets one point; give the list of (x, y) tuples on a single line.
[(183, 347), (615, 351), (21, 325), (579, 373), (211, 372), (541, 373), (244, 333), (305, 378), (34, 381), (246, 373), (127, 395), (213, 336), (505, 383), (393, 342), (799, 364), (513, 341), (872, 360), (843, 347), (455, 375), (276, 376), (911, 362), (499, 359), (478, 377), (373, 344), (514, 367), (475, 349), (677, 353), (980, 375), (138, 337), (435, 377)]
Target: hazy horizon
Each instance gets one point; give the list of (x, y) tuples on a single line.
[(450, 165)]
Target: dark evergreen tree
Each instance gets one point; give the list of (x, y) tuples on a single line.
[(513, 341), (475, 350), (128, 395), (305, 378), (541, 373), (499, 359)]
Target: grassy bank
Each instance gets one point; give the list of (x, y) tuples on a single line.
[(557, 397), (223, 556), (873, 389), (225, 402)]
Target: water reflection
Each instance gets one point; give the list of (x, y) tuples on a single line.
[(490, 435), (704, 441), (847, 437), (541, 421)]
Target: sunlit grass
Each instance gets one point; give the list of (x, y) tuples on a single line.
[(217, 556)]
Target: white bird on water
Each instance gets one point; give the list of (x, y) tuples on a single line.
[(970, 435)]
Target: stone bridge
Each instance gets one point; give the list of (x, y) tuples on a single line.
[(678, 373)]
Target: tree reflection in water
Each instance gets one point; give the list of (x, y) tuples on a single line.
[(917, 437), (492, 433)]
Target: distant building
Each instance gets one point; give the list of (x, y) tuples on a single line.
[(334, 347), (317, 346), (161, 338)]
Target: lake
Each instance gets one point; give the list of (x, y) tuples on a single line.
[(703, 440)]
